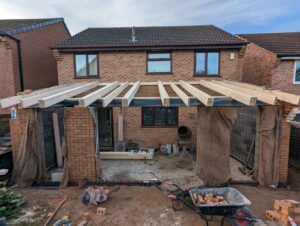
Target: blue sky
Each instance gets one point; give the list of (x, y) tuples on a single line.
[(235, 16)]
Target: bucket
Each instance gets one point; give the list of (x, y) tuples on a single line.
[(169, 149)]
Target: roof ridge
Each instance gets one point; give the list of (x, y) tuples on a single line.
[(272, 33), (164, 26)]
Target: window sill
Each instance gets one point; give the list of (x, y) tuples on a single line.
[(208, 76), (159, 73), (159, 126), (87, 77)]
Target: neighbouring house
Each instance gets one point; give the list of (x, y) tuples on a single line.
[(273, 60), (26, 63), (118, 85), (26, 60)]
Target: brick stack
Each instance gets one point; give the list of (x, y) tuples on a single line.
[(287, 212)]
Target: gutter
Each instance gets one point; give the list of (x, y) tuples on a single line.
[(290, 57), (21, 76)]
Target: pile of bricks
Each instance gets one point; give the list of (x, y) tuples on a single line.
[(287, 212)]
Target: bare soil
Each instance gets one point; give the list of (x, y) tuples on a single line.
[(133, 206)]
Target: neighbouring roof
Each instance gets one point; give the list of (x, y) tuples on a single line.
[(15, 26), (165, 36), (282, 44)]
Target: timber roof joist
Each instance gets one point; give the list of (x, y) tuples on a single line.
[(142, 94)]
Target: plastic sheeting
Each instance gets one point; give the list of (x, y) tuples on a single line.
[(29, 166), (268, 152), (213, 144)]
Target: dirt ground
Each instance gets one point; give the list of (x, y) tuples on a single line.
[(133, 206)]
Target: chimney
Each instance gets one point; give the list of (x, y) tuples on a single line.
[(133, 36)]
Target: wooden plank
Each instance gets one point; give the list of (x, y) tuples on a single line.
[(10, 101), (126, 100), (125, 155), (264, 97), (283, 96), (92, 97), (109, 98), (185, 98), (164, 96), (236, 95), (57, 140), (54, 99), (120, 128), (32, 100), (205, 98)]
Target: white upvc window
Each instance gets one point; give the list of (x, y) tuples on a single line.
[(297, 73)]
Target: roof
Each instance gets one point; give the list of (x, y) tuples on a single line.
[(282, 44), (15, 26), (165, 36)]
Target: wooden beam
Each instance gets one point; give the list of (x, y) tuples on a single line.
[(283, 96), (14, 100), (206, 99), (92, 97), (32, 100), (234, 94), (164, 96), (54, 99), (58, 147), (264, 97), (109, 98), (125, 155), (126, 100), (185, 98)]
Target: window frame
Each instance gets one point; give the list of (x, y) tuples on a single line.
[(87, 68), (159, 59), (206, 63), (294, 76), (153, 115)]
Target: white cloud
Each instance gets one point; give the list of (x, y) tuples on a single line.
[(80, 14)]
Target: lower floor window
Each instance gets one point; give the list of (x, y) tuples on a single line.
[(159, 116)]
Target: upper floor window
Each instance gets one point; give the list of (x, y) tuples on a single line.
[(86, 65), (207, 63), (159, 63), (297, 73)]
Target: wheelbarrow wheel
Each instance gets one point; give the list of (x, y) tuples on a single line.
[(177, 205)]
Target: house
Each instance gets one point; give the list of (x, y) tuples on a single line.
[(149, 54), (142, 83), (276, 57), (26, 62), (273, 60)]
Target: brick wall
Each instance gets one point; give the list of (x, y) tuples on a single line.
[(39, 65), (131, 66), (258, 65), (283, 76), (80, 142), (153, 136), (9, 74)]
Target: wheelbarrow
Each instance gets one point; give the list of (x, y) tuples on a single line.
[(235, 208)]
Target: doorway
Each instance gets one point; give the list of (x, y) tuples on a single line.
[(105, 129)]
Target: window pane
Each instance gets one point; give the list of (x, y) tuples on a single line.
[(297, 75), (159, 55), (200, 63), (93, 64), (159, 66), (172, 116), (81, 65), (212, 63), (148, 117), (160, 116)]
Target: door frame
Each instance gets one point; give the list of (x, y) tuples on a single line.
[(108, 148)]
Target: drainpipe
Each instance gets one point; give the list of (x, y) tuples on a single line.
[(19, 58)]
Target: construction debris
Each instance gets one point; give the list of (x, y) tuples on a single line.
[(209, 199), (95, 195), (287, 212), (101, 211), (64, 199)]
